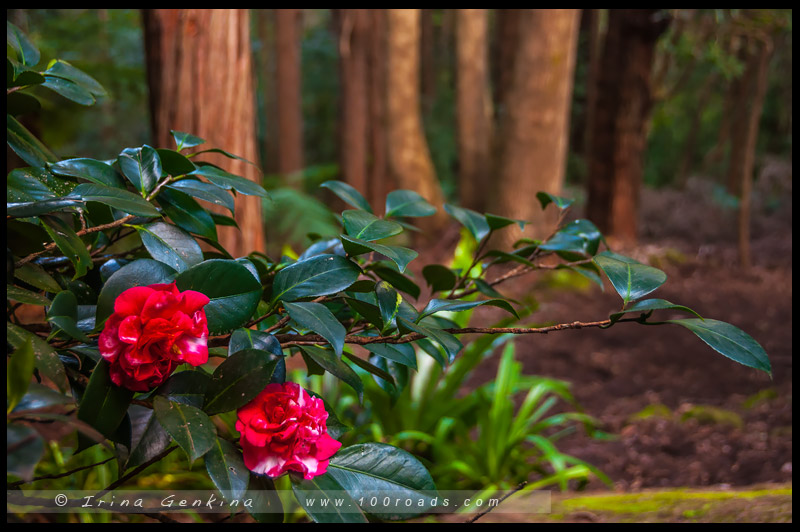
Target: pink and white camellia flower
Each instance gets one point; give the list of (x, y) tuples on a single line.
[(284, 429), (152, 331)]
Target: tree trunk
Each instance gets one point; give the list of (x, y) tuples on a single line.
[(620, 118), (504, 53), (595, 45), (474, 107), (409, 158), (533, 132), (428, 60), (379, 181), (200, 77), (290, 112)]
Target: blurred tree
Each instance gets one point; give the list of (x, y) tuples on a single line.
[(288, 26), (533, 127), (200, 77), (621, 110), (409, 157), (474, 107)]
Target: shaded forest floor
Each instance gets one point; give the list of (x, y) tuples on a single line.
[(680, 415)]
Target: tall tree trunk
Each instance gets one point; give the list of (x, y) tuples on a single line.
[(428, 60), (200, 77), (379, 181), (504, 53), (353, 32), (621, 114), (474, 107), (533, 132), (288, 23), (595, 45), (409, 158)]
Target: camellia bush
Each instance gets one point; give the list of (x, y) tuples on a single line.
[(150, 344)]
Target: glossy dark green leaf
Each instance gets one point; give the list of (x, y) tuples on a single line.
[(368, 311), (546, 198), (69, 90), (365, 226), (454, 305), (317, 276), (475, 222), (319, 319), (90, 169), (103, 404), (399, 255), (115, 197), (47, 361), (19, 371), (39, 396), (498, 222), (439, 277), (369, 367), (389, 302), (502, 257), (28, 184), (37, 208), (251, 339), (142, 167), (402, 203), (204, 191), (334, 365), (578, 236), (186, 387), (22, 75), (450, 343), (225, 467), (239, 379), (398, 372), (61, 69), (142, 272), (175, 164), (190, 427), (631, 279), (35, 275), (347, 194), (185, 140), (27, 52), (378, 470), (233, 291), (267, 506), (26, 145), (398, 280), (69, 243), (24, 449), (729, 341), (187, 213), (171, 245), (15, 293), (325, 487), (228, 181), (400, 353), (69, 326), (64, 304), (148, 437), (649, 305)]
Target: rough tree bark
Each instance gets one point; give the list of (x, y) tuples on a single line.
[(200, 77), (533, 132), (379, 179), (474, 107), (288, 24), (620, 117), (409, 157)]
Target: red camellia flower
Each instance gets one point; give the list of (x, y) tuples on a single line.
[(283, 429), (153, 330)]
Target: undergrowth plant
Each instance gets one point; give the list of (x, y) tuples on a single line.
[(149, 344)]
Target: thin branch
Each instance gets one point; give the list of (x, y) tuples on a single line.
[(59, 475), (122, 480), (504, 497)]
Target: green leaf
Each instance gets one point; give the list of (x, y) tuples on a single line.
[(475, 222), (27, 53), (251, 339), (450, 343), (26, 145), (148, 437), (325, 487), (632, 280), (69, 90), (729, 341), (319, 319), (175, 164), (142, 167), (334, 365), (378, 470), (18, 374), (402, 203), (35, 275), (171, 245), (398, 280), (498, 222), (185, 140), (347, 194), (228, 181), (15, 293), (69, 243), (399, 255), (365, 226), (233, 291), (370, 368), (104, 404), (187, 213), (61, 69), (454, 305), (23, 76), (97, 172), (190, 427), (69, 326), (142, 272), (27, 184), (225, 467), (37, 208), (546, 198), (47, 361), (204, 191), (649, 305), (262, 492), (368, 311), (389, 302), (40, 396), (118, 198), (24, 449), (400, 353), (439, 277), (239, 379), (319, 275), (187, 387), (578, 236)]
